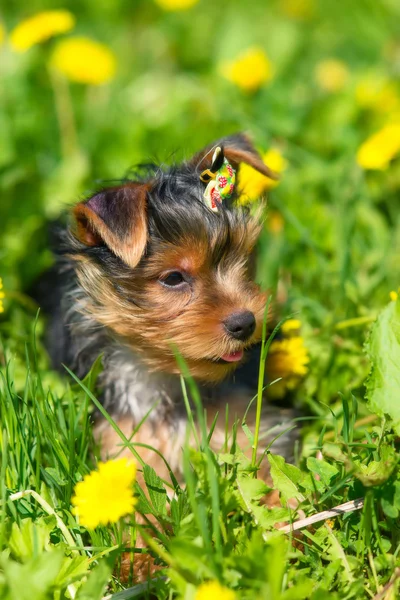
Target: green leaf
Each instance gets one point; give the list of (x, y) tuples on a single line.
[(72, 568), (334, 451), (31, 581), (396, 498), (30, 537), (390, 500), (226, 458), (179, 509), (301, 591), (324, 594), (143, 505), (250, 493), (251, 489), (383, 349), (156, 489), (377, 471), (55, 476), (238, 459), (276, 557), (389, 509), (268, 517), (323, 469), (285, 478), (96, 583)]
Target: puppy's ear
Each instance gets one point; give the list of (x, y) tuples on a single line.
[(115, 217), (237, 149)]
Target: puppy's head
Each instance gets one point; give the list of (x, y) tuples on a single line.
[(164, 272)]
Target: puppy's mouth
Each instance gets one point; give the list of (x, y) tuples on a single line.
[(232, 356), (229, 357)]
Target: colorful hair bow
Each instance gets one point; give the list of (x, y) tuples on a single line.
[(220, 180)]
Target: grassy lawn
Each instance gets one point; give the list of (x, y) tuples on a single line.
[(317, 84)]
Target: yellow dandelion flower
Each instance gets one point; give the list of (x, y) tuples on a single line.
[(290, 356), (253, 184), (393, 295), (301, 10), (41, 27), (379, 149), (176, 4), (275, 222), (377, 94), (290, 326), (331, 75), (212, 590), (249, 71), (2, 296), (105, 495), (84, 60), (287, 359)]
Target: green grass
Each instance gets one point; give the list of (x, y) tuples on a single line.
[(214, 527), (332, 264)]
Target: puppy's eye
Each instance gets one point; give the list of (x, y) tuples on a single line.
[(173, 279)]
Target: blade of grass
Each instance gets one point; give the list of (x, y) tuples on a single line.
[(261, 377), (265, 344), (211, 462), (106, 415)]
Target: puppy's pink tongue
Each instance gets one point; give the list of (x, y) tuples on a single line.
[(233, 357)]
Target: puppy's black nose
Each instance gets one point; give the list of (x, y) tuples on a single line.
[(240, 325)]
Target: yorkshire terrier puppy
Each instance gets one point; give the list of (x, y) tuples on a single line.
[(155, 266)]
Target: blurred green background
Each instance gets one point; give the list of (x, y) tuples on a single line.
[(309, 79)]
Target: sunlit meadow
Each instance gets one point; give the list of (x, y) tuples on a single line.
[(88, 90)]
